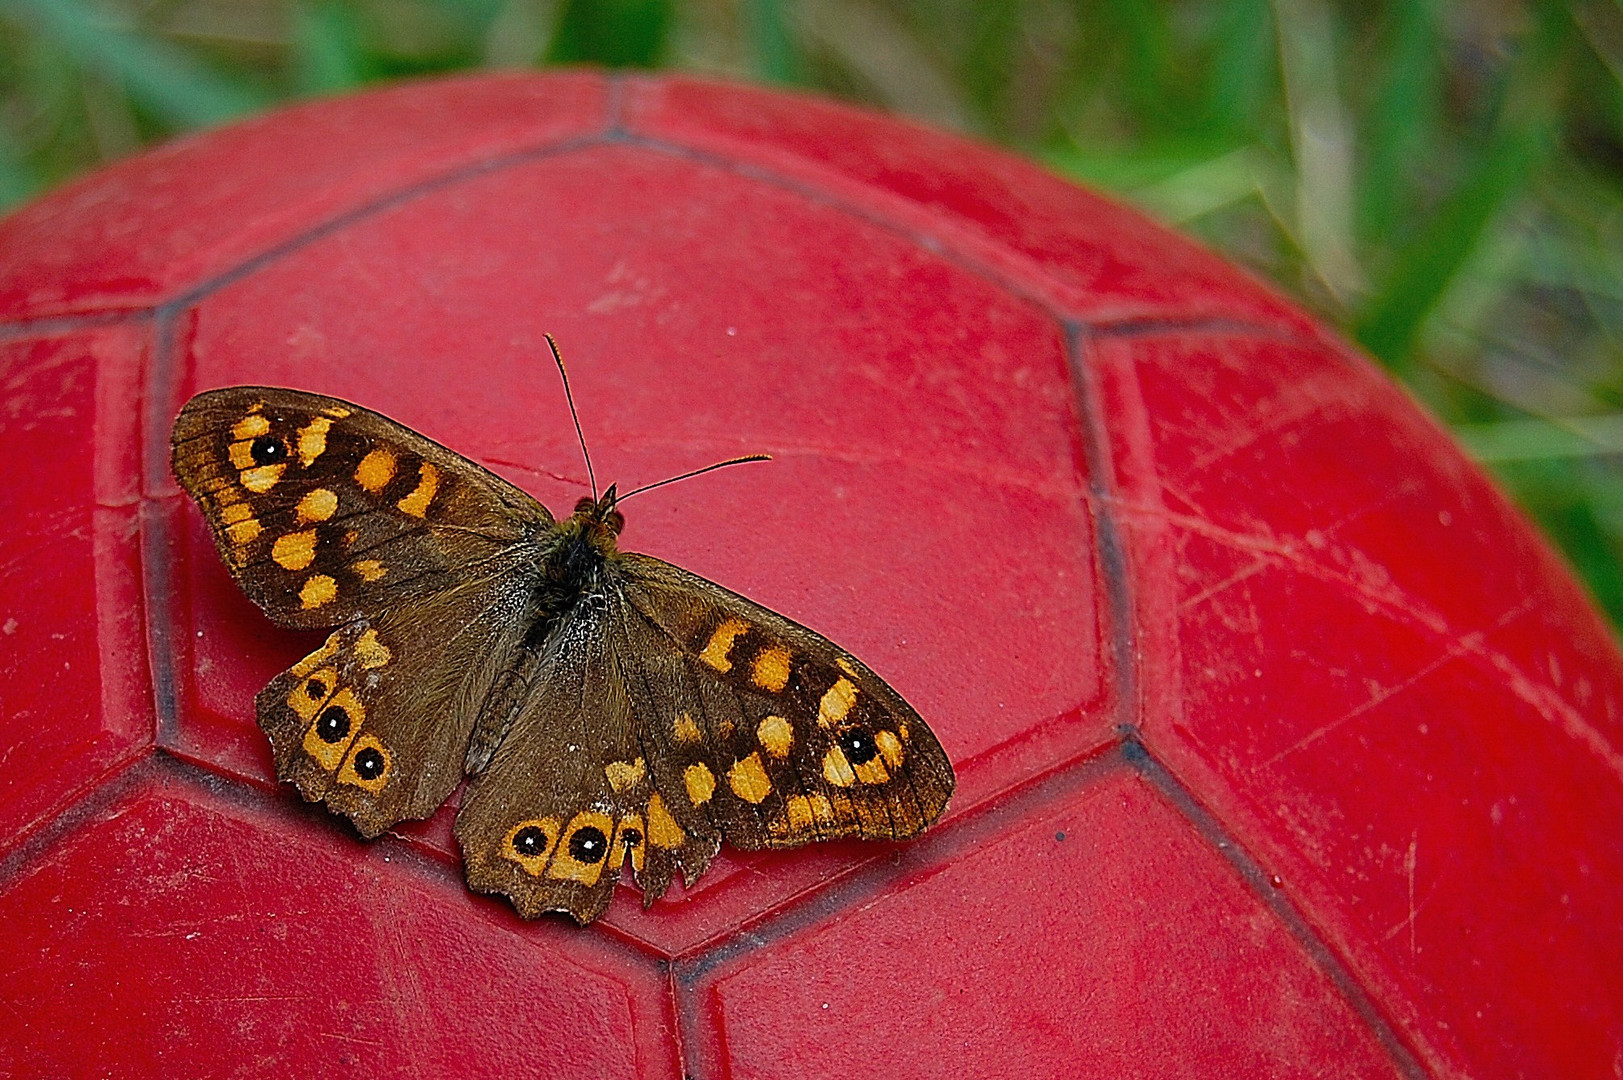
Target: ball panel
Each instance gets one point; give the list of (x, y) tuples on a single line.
[(1095, 258), (143, 230), (76, 701), (188, 934), (1098, 936), (1337, 599)]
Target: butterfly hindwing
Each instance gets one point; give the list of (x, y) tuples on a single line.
[(324, 511), (376, 722), (567, 799)]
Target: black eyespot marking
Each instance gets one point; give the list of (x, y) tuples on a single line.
[(333, 726), (631, 837), (530, 841), (859, 747), (316, 689), (267, 451), (588, 845), (368, 763)]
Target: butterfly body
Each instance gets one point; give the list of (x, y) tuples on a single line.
[(608, 708)]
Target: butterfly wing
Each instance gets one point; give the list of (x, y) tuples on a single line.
[(377, 722), (766, 730), (325, 511), (329, 514), (566, 800), (673, 714)]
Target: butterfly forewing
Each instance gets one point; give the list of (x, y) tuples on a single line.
[(325, 511), (812, 741)]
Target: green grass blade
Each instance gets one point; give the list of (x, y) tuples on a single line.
[(328, 56), (615, 33), (174, 87)]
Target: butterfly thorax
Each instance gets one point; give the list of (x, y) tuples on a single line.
[(577, 563)]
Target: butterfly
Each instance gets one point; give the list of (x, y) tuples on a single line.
[(607, 707)]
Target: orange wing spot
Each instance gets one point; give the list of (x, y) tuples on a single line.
[(771, 669), (337, 412), (295, 551), (805, 811), (318, 589), (836, 702), (533, 859), (376, 470), (428, 482), (244, 532), (370, 652), (368, 570), (845, 665), (776, 735), (565, 866), (317, 505), (261, 478), (700, 783), (624, 775), (663, 831), (748, 779), (721, 643), (328, 649), (328, 742), (313, 440), (250, 427), (367, 766), (890, 748), (307, 698), (233, 510), (685, 729), (836, 769), (872, 771)]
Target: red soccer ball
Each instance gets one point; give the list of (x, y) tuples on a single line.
[(1285, 746)]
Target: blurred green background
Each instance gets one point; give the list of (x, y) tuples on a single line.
[(1443, 180)]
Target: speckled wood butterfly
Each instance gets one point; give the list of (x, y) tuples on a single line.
[(609, 707)]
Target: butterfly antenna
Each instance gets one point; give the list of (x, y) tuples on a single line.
[(696, 472), (573, 415)]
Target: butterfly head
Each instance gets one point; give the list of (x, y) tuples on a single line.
[(599, 518)]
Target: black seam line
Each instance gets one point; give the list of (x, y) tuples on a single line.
[(1127, 326), (924, 241), (88, 804), (1198, 325), (49, 325), (1143, 760), (614, 111), (381, 204), (1107, 538), (158, 564)]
